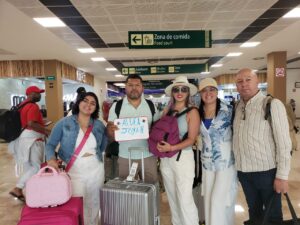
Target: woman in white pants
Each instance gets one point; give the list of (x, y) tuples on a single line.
[(179, 175), (219, 182)]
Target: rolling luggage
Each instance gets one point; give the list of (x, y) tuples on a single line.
[(130, 203), (70, 213)]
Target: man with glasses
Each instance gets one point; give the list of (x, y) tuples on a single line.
[(134, 105), (261, 149)]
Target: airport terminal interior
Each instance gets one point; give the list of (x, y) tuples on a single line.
[(61, 45)]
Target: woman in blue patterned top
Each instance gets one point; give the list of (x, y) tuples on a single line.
[(219, 174)]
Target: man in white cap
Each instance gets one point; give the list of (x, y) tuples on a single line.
[(28, 149)]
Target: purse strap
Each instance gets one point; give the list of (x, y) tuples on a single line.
[(79, 148), (291, 208)]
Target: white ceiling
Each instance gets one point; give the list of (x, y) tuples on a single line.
[(22, 38)]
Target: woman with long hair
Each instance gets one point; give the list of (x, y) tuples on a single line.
[(87, 171), (218, 171), (178, 176)]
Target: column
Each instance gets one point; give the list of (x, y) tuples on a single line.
[(276, 75), (54, 90)]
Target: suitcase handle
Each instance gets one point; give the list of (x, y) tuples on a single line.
[(48, 168), (137, 149)]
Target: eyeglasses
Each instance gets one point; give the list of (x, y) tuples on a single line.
[(183, 89)]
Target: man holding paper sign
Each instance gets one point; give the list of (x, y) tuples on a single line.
[(134, 106)]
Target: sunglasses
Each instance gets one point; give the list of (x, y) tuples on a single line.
[(180, 89)]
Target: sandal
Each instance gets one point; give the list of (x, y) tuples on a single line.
[(19, 197)]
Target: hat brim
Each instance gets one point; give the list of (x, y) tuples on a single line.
[(193, 88)]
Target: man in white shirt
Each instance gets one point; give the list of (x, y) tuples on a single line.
[(261, 148)]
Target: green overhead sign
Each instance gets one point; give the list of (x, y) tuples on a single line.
[(50, 77), (169, 39), (162, 84), (167, 69)]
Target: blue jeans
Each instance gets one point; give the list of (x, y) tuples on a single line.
[(258, 189)]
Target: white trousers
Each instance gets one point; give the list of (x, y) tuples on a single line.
[(87, 176), (33, 165), (219, 189), (178, 177)]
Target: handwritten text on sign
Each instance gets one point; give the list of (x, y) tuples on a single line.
[(132, 128)]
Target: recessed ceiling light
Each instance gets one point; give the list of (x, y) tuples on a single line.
[(216, 65), (50, 22), (119, 75), (250, 44), (294, 13), (98, 59), (111, 69), (86, 50), (205, 73), (234, 54)]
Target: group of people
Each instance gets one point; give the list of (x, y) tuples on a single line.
[(237, 144)]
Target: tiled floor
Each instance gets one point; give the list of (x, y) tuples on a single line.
[(10, 208)]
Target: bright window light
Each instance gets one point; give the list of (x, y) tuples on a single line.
[(111, 69), (294, 13), (217, 65), (250, 44), (50, 22), (239, 208), (98, 59), (234, 54), (119, 84), (204, 73), (86, 50), (119, 75)]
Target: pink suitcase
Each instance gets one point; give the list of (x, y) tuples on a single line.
[(70, 213), (48, 189)]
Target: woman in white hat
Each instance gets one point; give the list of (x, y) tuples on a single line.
[(178, 175), (218, 174)]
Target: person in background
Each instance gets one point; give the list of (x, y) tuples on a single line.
[(87, 172), (293, 104), (80, 91), (134, 105), (262, 151), (219, 177), (28, 149), (178, 176)]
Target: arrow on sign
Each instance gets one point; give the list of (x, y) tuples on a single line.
[(135, 39)]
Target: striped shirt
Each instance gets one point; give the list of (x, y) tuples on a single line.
[(256, 147)]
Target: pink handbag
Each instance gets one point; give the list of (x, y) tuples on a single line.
[(48, 189)]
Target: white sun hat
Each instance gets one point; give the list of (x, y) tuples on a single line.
[(181, 81)]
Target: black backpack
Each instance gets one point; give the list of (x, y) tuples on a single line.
[(10, 123), (113, 147)]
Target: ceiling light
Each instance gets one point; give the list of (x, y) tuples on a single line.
[(250, 44), (234, 54), (298, 52), (119, 84), (294, 13), (86, 50), (111, 69), (98, 59), (119, 75), (50, 22), (216, 65), (205, 73), (254, 71)]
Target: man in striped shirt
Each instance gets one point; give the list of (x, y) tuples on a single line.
[(262, 150)]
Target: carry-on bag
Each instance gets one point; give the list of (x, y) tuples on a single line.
[(48, 188), (70, 213), (294, 221), (130, 203)]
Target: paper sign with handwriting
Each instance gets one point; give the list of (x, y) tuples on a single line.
[(132, 128)]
